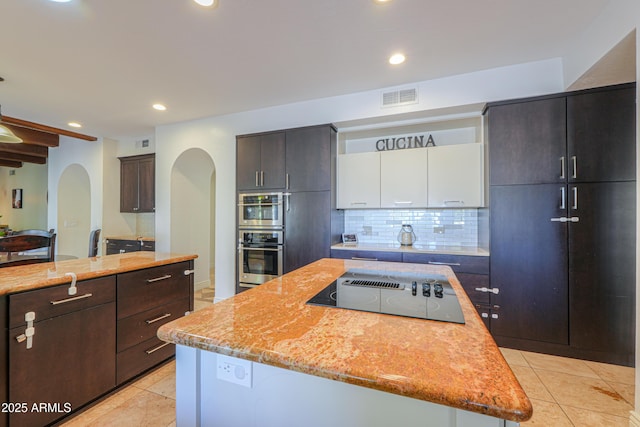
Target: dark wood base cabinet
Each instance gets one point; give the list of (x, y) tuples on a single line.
[(86, 344)]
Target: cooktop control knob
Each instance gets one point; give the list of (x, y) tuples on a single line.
[(438, 290), (414, 288), (426, 290)]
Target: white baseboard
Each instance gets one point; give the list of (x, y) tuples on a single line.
[(634, 419), (202, 285)]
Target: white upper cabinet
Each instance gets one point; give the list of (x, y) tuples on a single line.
[(456, 176), (359, 180), (403, 178)]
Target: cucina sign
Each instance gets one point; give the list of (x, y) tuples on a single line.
[(404, 142)]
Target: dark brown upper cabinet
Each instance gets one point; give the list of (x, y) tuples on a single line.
[(137, 183), (308, 158), (260, 161)]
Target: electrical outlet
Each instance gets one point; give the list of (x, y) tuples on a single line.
[(236, 371)]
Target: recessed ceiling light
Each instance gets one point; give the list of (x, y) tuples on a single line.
[(159, 107), (396, 58), (382, 1), (74, 124), (207, 3), (60, 1)]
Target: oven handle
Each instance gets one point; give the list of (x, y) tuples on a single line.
[(260, 204), (244, 248)]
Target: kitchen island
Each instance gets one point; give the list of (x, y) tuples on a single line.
[(75, 330), (301, 364)]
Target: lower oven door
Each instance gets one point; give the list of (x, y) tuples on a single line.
[(258, 264)]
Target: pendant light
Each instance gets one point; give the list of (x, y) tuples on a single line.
[(6, 135)]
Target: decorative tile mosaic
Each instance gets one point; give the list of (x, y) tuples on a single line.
[(447, 227)]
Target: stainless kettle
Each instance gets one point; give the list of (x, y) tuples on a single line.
[(406, 237)]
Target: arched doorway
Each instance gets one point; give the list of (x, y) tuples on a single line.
[(193, 212), (74, 212)]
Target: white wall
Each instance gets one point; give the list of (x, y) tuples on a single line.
[(216, 136), (74, 212), (32, 179), (88, 155)]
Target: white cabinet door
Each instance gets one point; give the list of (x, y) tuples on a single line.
[(359, 180), (456, 176), (403, 178)]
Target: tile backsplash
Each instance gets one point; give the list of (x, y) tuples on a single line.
[(433, 227)]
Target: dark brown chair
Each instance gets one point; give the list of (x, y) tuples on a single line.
[(94, 240), (25, 241)]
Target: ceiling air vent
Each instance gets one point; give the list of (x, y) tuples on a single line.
[(400, 97)]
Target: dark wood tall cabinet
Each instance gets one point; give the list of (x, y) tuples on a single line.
[(562, 204)]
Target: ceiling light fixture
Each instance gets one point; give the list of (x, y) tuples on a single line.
[(6, 135), (396, 58), (207, 3), (74, 124), (159, 107), (60, 1)]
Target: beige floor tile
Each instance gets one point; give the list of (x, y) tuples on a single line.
[(513, 357), (614, 373), (105, 406), (586, 393), (559, 364), (584, 418), (146, 409), (547, 414), (627, 391), (165, 387), (531, 383), (157, 375)]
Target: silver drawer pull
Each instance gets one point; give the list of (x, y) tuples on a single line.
[(157, 279), (164, 316), (355, 258), (62, 301), (491, 290), (188, 272), (161, 346), (443, 263)]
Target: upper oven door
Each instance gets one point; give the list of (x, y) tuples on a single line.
[(260, 210)]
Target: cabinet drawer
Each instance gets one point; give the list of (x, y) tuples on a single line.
[(147, 245), (143, 326), (144, 289), (458, 263), (122, 246), (56, 301), (470, 282), (141, 357), (366, 255)]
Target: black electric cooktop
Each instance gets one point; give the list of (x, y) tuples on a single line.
[(397, 293)]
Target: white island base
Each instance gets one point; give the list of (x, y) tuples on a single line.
[(279, 397)]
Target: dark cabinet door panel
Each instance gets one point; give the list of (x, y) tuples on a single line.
[(364, 255), (602, 268), (248, 162), (147, 184), (529, 263), (308, 159), (128, 186), (307, 231), (71, 360), (527, 142), (272, 155), (601, 135)]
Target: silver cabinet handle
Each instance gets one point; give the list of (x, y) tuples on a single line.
[(488, 290), (157, 319), (157, 279), (575, 198), (355, 258), (566, 219), (261, 178), (287, 186), (153, 350), (62, 301), (494, 316), (261, 249), (257, 179), (453, 202), (358, 203), (403, 203), (188, 272), (574, 161), (443, 263), (563, 198), (562, 167)]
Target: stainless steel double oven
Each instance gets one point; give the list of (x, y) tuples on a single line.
[(260, 238)]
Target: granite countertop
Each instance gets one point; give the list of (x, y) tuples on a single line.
[(41, 275), (445, 363), (415, 248), (131, 237)]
